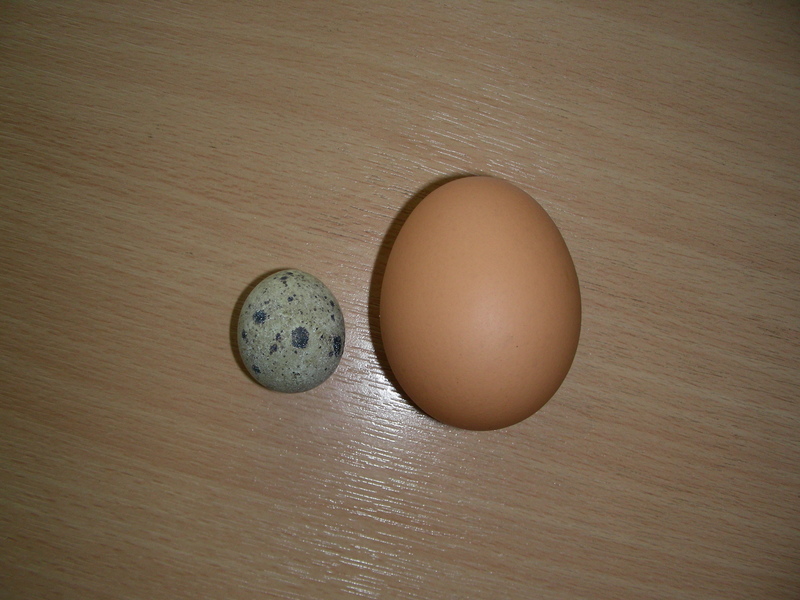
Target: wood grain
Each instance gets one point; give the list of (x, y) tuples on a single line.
[(158, 158)]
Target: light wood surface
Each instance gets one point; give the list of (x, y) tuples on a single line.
[(156, 159)]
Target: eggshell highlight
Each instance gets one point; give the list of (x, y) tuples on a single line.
[(480, 308)]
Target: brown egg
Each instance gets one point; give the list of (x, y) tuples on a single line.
[(480, 307)]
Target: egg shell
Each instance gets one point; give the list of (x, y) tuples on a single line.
[(291, 332), (480, 308)]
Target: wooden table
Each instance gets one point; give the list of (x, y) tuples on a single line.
[(159, 158)]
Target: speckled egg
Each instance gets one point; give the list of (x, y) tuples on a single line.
[(291, 332)]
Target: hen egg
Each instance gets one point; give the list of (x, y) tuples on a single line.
[(480, 307)]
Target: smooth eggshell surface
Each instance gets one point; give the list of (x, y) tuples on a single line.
[(480, 308)]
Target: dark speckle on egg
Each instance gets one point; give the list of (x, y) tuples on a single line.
[(259, 316), (300, 337), (244, 334), (273, 349), (291, 298), (337, 345), (256, 369)]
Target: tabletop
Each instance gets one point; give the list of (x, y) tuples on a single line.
[(159, 158)]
